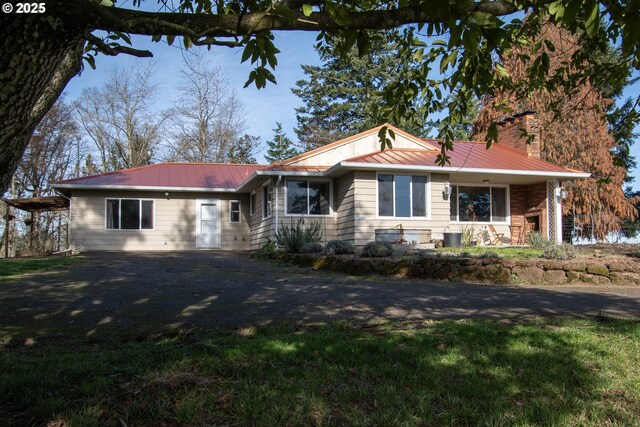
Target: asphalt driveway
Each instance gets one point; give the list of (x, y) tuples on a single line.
[(221, 289)]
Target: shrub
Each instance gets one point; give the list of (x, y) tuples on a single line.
[(293, 237), (490, 254), (267, 249), (537, 240), (311, 248), (377, 250), (339, 247), (563, 251)]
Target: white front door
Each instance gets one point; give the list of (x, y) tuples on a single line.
[(207, 223)]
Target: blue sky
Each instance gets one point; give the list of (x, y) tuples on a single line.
[(263, 107)]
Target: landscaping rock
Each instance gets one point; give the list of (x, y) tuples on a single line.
[(498, 274), (507, 263), (573, 276), (597, 269), (574, 266), (555, 277), (624, 267), (553, 265), (528, 274), (625, 279), (594, 279)]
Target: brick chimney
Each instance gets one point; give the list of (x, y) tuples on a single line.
[(511, 129)]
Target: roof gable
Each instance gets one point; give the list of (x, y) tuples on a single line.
[(356, 145)]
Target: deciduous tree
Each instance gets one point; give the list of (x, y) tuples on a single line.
[(119, 120), (574, 131)]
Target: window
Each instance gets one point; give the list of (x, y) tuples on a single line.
[(478, 204), (403, 196), (308, 197), (252, 203), (266, 201), (234, 211), (129, 214)]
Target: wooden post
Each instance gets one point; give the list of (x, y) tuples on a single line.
[(7, 228)]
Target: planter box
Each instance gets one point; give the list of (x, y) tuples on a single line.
[(409, 235)]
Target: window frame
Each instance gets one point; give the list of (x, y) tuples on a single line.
[(231, 221), (308, 181), (140, 200), (253, 198), (507, 202), (268, 184), (393, 196)]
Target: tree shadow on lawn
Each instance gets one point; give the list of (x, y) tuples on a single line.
[(444, 373)]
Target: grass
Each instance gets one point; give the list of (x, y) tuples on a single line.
[(502, 252), (17, 266), (442, 373)]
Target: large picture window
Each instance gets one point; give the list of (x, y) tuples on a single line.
[(478, 204), (308, 197), (403, 196), (129, 214)]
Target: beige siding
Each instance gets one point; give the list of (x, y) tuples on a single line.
[(366, 215), (357, 147), (344, 192), (174, 222), (261, 228)]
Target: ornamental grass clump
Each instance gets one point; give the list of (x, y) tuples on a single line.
[(339, 247), (292, 237), (560, 252), (377, 250)]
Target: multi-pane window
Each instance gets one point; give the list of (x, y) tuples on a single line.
[(308, 197), (129, 214), (234, 211), (266, 201), (403, 196), (478, 204)]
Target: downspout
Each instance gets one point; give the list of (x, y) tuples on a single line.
[(277, 202)]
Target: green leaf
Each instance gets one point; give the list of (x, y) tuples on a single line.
[(592, 22), (170, 39), (248, 50), (448, 59), (187, 42), (307, 9)]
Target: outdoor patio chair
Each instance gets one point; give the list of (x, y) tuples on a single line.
[(497, 237)]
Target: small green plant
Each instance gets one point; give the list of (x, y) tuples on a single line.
[(293, 237), (537, 240), (339, 247), (377, 250), (560, 252), (267, 249), (468, 234), (311, 248)]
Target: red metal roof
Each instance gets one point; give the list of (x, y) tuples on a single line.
[(465, 155), (182, 175), (287, 168)]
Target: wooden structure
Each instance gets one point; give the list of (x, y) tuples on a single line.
[(31, 205)]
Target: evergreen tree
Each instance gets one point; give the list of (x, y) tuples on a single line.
[(342, 96), (243, 150), (280, 147)]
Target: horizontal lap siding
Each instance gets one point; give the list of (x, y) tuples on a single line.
[(345, 207), (367, 220), (261, 229), (174, 222)]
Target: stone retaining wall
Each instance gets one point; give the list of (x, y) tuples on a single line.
[(489, 270)]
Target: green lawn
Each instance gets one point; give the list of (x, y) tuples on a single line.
[(442, 373), (17, 266)]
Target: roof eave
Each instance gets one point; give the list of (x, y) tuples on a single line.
[(264, 173), (381, 166), (62, 187)]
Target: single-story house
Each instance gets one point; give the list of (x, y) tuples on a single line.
[(350, 186)]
